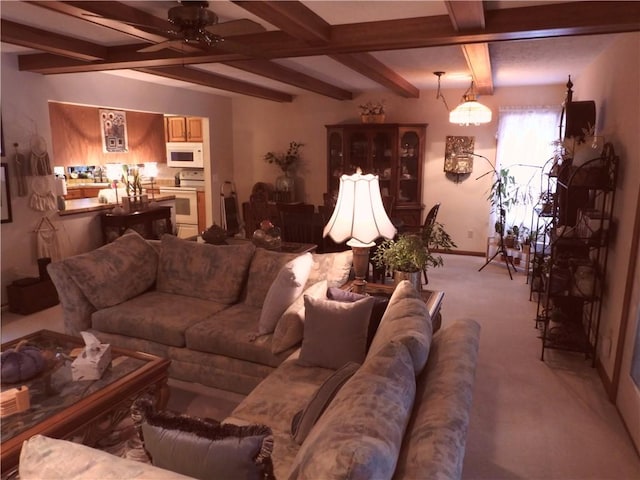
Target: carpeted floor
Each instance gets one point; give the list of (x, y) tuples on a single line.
[(530, 419)]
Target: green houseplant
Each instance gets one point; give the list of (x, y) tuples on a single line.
[(412, 253)]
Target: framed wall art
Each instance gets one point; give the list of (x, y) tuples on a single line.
[(5, 194), (457, 160), (113, 127)]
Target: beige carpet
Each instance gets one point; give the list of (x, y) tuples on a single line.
[(530, 419)]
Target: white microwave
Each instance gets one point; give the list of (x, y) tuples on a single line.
[(185, 154)]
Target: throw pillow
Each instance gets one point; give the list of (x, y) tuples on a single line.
[(210, 272), (290, 327), (115, 272), (332, 267), (377, 311), (287, 286), (335, 333), (306, 418), (205, 449)]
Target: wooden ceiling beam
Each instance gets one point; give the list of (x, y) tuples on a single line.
[(552, 20), (297, 20), (291, 17), (369, 66), (25, 36), (220, 82), (111, 15), (283, 74), (469, 15)]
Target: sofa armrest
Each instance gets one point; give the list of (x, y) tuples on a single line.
[(44, 457), (76, 308)]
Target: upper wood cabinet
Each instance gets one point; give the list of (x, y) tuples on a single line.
[(76, 138), (184, 129), (394, 152)]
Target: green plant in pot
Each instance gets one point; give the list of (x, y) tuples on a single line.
[(410, 254)]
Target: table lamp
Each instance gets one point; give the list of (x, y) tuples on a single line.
[(114, 173), (360, 217)]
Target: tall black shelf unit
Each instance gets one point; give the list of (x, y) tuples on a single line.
[(572, 255)]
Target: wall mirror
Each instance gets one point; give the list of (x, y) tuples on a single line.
[(5, 197)]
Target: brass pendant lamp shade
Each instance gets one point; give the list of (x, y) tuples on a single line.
[(470, 111)]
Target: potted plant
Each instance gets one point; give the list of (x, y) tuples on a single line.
[(372, 112), (410, 254)]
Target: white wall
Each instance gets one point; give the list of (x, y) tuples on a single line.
[(25, 113), (613, 82), (463, 206)]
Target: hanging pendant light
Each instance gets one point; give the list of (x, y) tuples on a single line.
[(470, 111)]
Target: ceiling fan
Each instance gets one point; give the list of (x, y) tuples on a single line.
[(196, 25)]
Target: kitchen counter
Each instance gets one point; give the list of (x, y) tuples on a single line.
[(83, 205)]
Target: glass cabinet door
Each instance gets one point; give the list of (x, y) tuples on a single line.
[(409, 168), (336, 160), (381, 161), (359, 152)]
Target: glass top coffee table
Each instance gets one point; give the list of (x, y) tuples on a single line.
[(84, 410)]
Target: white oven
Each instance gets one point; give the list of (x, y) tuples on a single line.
[(186, 209)]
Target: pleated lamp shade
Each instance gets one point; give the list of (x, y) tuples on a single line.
[(359, 215)]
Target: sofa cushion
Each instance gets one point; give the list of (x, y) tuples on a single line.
[(157, 316), (335, 333), (280, 396), (286, 287), (332, 267), (263, 271), (360, 433), (210, 272), (306, 418), (43, 457), (205, 449), (290, 327), (379, 307), (115, 272), (406, 320), (232, 332)]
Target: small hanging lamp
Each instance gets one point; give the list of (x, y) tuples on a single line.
[(470, 111)]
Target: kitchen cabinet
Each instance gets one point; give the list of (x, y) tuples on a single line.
[(82, 192), (202, 217), (184, 129), (394, 152)]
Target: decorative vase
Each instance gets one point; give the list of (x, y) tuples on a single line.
[(286, 183), (413, 277)]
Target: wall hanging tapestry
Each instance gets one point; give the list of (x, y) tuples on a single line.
[(113, 127)]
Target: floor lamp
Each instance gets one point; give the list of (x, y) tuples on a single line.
[(360, 218), (501, 212)]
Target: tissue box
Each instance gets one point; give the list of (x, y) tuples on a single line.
[(91, 366)]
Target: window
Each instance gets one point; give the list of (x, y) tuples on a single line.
[(525, 143)]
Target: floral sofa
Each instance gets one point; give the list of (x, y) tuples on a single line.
[(213, 310), (338, 405)]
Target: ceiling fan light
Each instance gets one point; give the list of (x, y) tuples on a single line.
[(470, 112)]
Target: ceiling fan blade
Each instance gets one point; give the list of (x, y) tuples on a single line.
[(161, 46), (235, 27)]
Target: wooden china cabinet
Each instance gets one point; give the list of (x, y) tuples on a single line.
[(393, 151)]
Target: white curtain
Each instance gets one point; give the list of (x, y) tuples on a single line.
[(525, 143)]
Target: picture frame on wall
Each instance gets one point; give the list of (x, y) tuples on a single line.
[(5, 194)]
